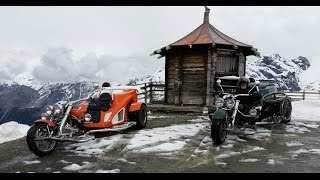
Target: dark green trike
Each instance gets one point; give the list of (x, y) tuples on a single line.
[(232, 114)]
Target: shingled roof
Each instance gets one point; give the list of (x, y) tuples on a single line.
[(208, 34)]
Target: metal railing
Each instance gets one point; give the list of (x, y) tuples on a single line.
[(303, 95), (153, 92)]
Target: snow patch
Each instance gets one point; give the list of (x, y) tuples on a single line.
[(249, 160), (95, 147), (295, 129), (108, 171), (12, 130), (64, 162), (73, 167), (76, 167), (163, 139), (126, 161), (32, 162), (294, 144), (165, 147)]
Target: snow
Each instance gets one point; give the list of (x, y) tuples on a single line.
[(12, 130), (301, 151), (76, 167), (108, 171), (95, 147), (165, 147), (126, 161), (295, 129), (294, 144), (227, 155), (249, 160), (73, 167), (271, 162), (307, 110), (64, 161), (163, 139), (32, 162)]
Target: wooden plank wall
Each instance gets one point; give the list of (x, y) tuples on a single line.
[(227, 62), (194, 85)]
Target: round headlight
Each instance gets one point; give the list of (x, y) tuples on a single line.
[(87, 117), (44, 116), (219, 102), (48, 109), (253, 112), (58, 108), (230, 103)]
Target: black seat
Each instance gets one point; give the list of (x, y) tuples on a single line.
[(94, 110), (105, 101)]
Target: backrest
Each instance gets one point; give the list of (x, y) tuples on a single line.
[(105, 101)]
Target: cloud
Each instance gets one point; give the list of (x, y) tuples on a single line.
[(59, 65), (13, 63)]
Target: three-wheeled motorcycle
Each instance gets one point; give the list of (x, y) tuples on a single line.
[(113, 110), (231, 114)]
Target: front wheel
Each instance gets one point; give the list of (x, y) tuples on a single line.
[(140, 117), (219, 131), (36, 139)]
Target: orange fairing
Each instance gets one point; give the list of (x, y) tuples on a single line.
[(50, 123), (120, 101), (79, 113), (135, 106)]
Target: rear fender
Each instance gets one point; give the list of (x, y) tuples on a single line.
[(47, 121), (218, 115), (135, 106)]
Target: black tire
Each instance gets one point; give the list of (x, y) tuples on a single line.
[(40, 130), (140, 117), (219, 132), (286, 109)]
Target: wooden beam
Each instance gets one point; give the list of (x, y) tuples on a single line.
[(209, 72)]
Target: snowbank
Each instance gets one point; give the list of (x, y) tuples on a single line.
[(12, 130)]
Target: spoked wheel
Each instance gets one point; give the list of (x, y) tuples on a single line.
[(274, 97), (219, 131), (37, 140), (286, 109)]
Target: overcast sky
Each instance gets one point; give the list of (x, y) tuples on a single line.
[(103, 43)]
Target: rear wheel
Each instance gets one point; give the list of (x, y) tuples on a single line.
[(36, 142), (286, 109), (219, 131)]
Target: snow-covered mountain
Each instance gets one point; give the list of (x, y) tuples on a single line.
[(25, 103), (158, 77), (275, 67)]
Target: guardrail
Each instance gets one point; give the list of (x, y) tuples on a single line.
[(303, 95), (153, 92)]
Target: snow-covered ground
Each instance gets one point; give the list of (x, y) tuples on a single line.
[(306, 110)]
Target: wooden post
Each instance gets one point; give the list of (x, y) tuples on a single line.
[(151, 93), (145, 93), (304, 95), (209, 77), (241, 65)]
